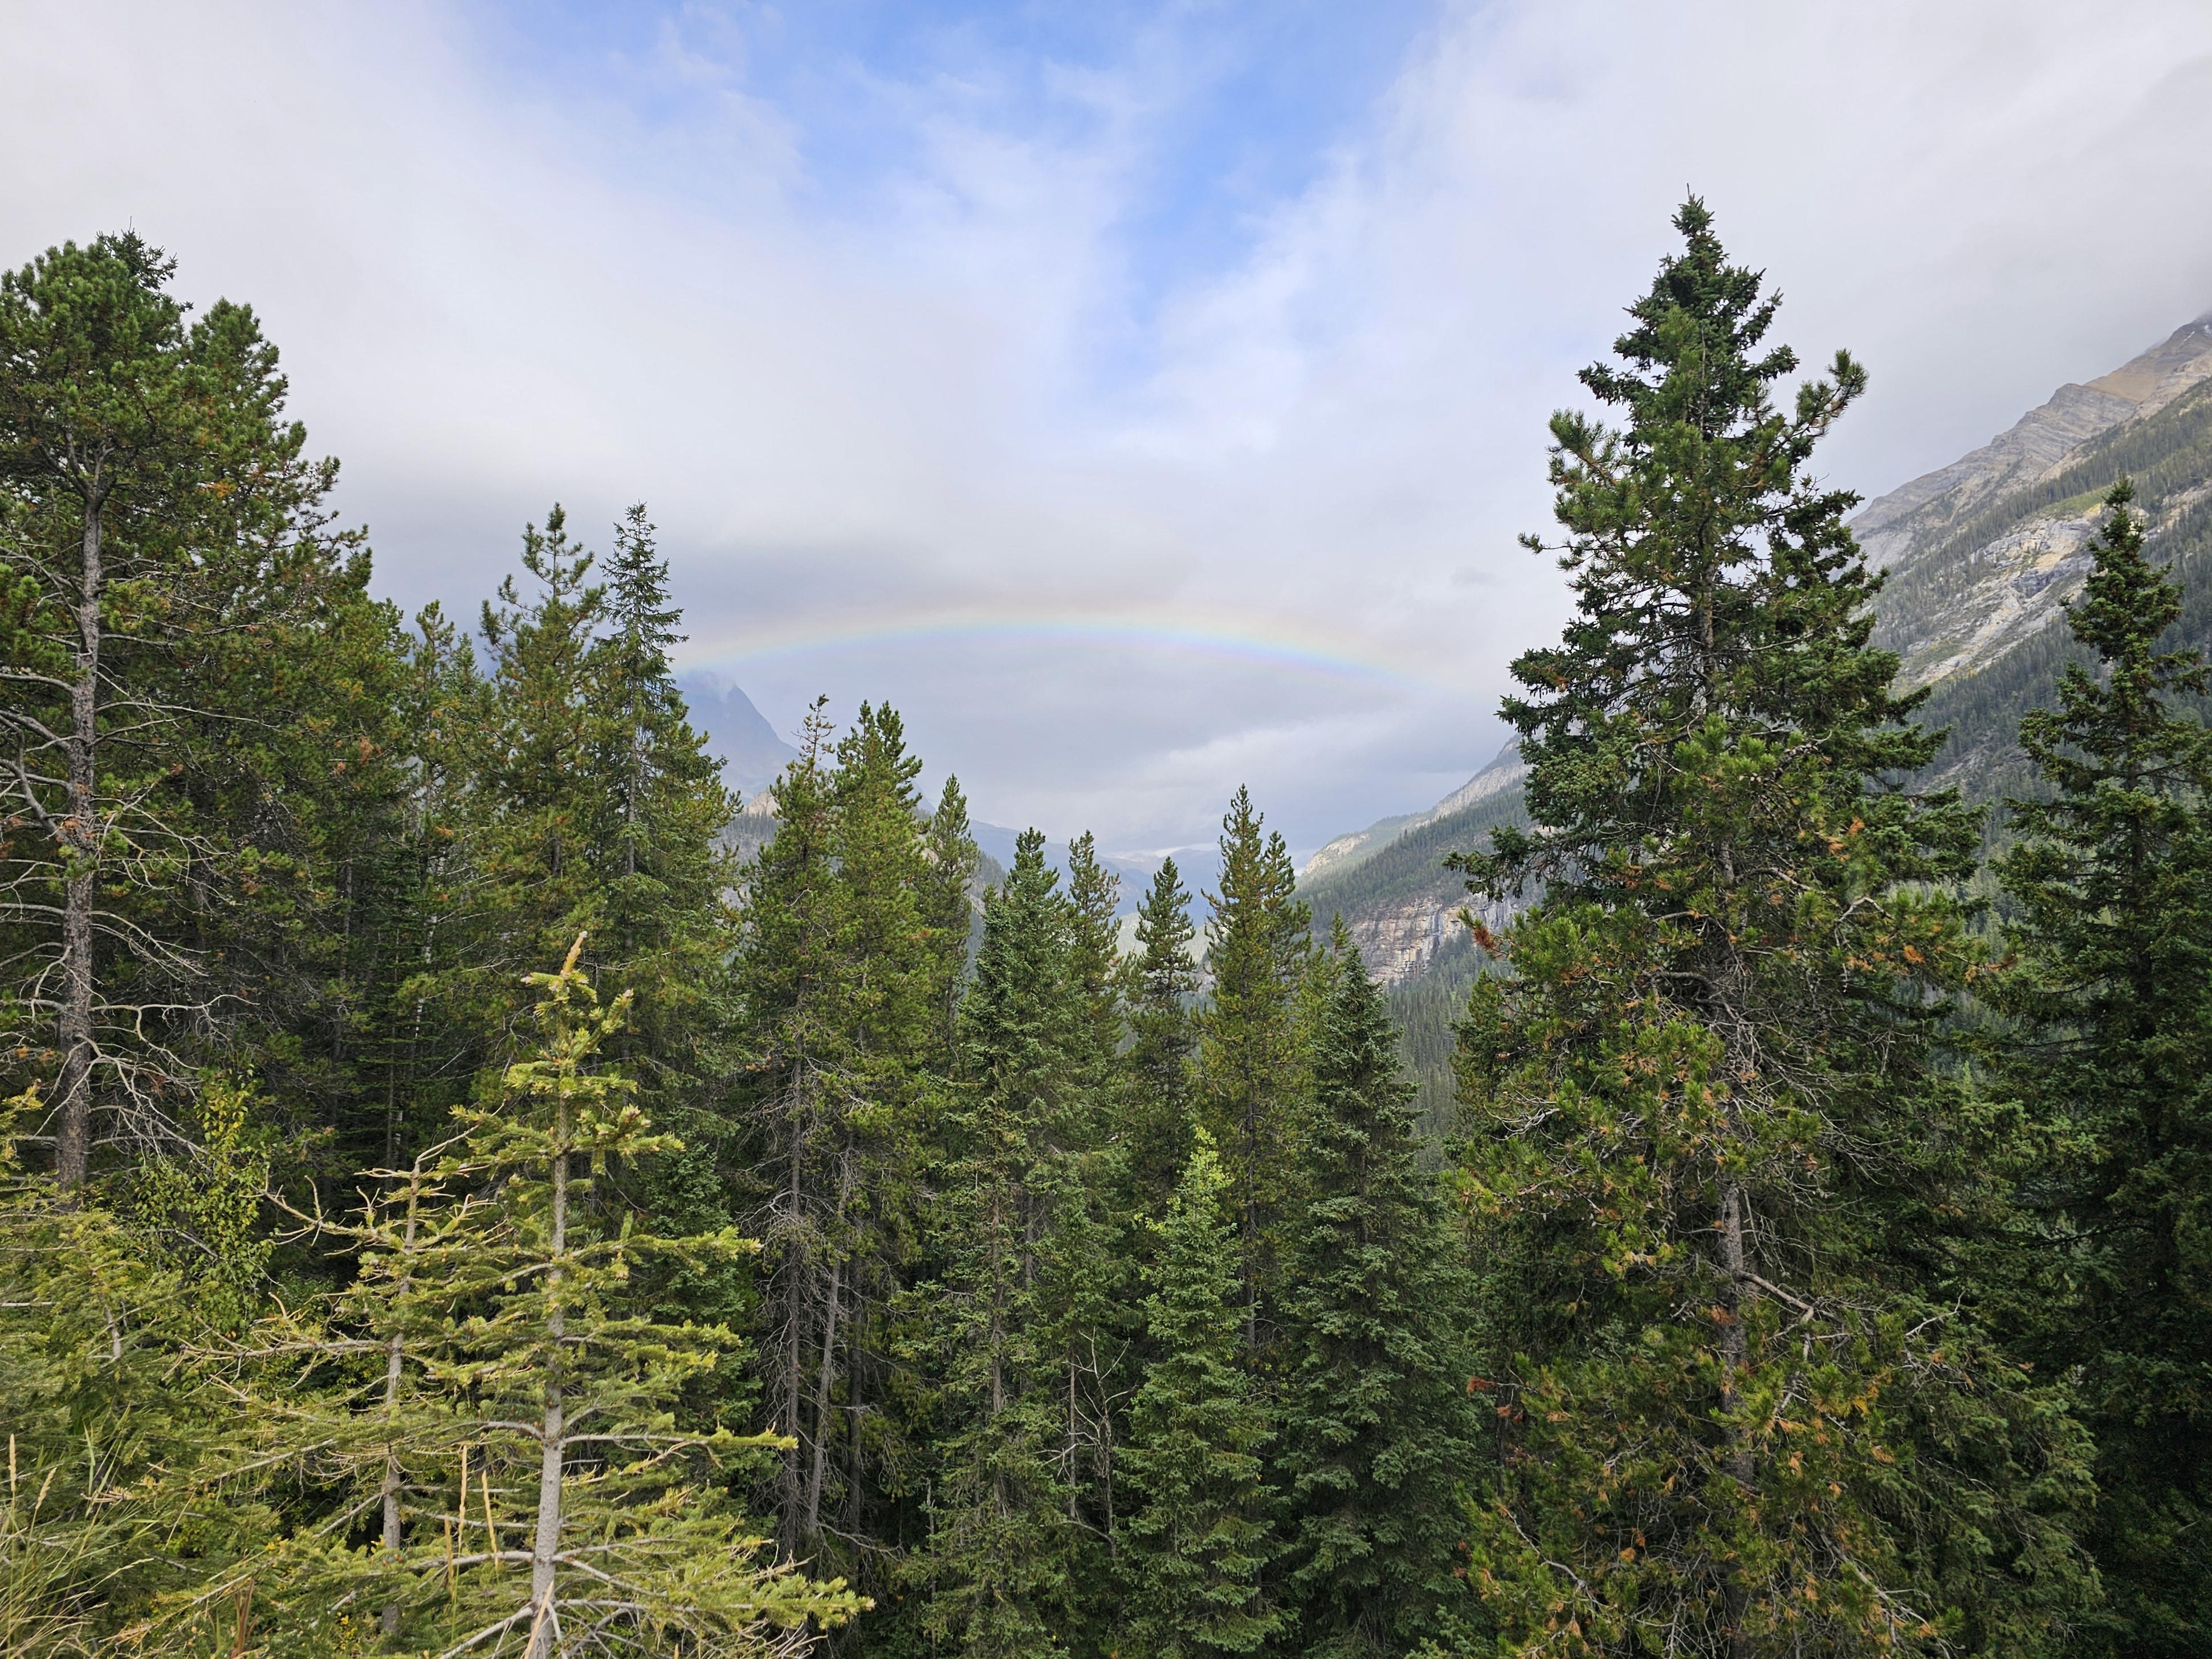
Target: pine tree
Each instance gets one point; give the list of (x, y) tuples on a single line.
[(496, 1291), (1252, 1068), (2113, 881), (1716, 1168), (193, 666), (1202, 1534), (1377, 1427)]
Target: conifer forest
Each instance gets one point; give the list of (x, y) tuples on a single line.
[(452, 1203)]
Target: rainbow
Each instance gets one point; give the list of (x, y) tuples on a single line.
[(1273, 643)]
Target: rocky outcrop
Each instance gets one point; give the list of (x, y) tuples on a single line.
[(1401, 941), (1968, 580)]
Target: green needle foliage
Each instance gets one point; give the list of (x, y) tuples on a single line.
[(494, 1291), (1376, 1430), (1252, 1062), (1106, 1302), (192, 676), (1000, 1523), (1715, 1164), (116, 1434), (1159, 988), (2113, 990), (1204, 1532)]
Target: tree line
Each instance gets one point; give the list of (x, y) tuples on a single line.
[(455, 1204)]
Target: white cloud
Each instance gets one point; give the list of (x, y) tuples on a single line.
[(492, 291)]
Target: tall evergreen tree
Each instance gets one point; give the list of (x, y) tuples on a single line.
[(1252, 1069), (787, 981), (539, 820), (1203, 1533), (431, 919), (948, 906), (183, 642), (1159, 989), (1086, 1285), (1094, 896), (496, 1288), (2112, 877), (1717, 1170), (1001, 1533), (1376, 1428), (839, 981)]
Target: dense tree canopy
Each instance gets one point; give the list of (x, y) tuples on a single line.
[(451, 1203)]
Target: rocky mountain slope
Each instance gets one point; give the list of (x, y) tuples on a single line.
[(1983, 557), (737, 734)]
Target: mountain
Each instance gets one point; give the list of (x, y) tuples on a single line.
[(750, 752), (1983, 557), (1389, 882)]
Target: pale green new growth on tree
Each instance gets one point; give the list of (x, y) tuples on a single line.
[(502, 1411)]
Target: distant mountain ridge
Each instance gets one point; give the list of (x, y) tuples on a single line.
[(737, 734), (1983, 556)]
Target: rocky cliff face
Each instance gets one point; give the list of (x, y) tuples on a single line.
[(1983, 556), (1977, 561), (1389, 881)]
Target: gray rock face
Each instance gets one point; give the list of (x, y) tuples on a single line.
[(1963, 589), (2038, 442)]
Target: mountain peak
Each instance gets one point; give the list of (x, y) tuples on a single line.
[(2157, 376)]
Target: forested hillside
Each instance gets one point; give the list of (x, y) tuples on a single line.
[(468, 1187)]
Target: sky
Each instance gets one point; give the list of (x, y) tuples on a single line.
[(1143, 398)]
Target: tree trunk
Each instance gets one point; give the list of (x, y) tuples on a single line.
[(825, 1384), (80, 838), (1735, 1356), (795, 1272), (545, 1626)]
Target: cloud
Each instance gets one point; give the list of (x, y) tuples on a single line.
[(920, 334)]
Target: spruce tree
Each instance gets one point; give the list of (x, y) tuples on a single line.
[(840, 980), (1376, 1428), (665, 930), (1001, 1530), (948, 906), (2112, 879), (539, 820), (1202, 1534), (1094, 896), (1716, 1165), (1252, 1061), (1086, 1287), (419, 1043), (1159, 989)]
